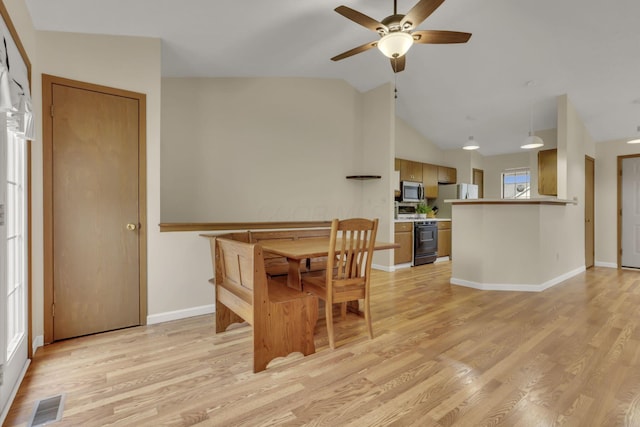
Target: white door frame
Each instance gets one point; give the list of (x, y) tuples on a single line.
[(620, 205)]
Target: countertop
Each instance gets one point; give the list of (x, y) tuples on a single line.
[(538, 201), (420, 219)]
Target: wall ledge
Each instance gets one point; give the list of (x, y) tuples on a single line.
[(217, 226)]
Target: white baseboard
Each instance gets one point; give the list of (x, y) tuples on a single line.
[(605, 264), (387, 268), (180, 314), (14, 391), (442, 259), (38, 341), (399, 267), (517, 287)]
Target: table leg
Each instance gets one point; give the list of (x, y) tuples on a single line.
[(294, 279)]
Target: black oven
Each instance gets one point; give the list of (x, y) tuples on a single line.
[(425, 242)]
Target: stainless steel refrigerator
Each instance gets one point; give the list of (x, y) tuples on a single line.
[(453, 191)]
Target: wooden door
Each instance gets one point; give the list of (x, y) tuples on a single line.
[(96, 209), (478, 179), (589, 215), (630, 212)]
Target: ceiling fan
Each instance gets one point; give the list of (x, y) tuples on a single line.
[(397, 33)]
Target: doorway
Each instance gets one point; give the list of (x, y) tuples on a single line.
[(628, 211), (95, 208), (589, 211), (478, 179)]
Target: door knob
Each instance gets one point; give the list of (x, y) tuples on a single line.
[(131, 227)]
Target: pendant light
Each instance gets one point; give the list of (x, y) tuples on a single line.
[(636, 140), (532, 140), (471, 144)]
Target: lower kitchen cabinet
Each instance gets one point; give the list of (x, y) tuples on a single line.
[(403, 237), (444, 238)]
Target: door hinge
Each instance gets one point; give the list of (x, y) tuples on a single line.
[(53, 310), (51, 110)]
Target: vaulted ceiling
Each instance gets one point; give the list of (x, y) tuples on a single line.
[(588, 49)]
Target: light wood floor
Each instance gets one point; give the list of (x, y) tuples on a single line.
[(443, 355)]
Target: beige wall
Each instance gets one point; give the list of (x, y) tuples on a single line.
[(376, 155), (574, 142), (411, 145), (287, 144)]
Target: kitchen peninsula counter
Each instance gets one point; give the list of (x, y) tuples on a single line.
[(539, 201), (420, 219), (518, 245)]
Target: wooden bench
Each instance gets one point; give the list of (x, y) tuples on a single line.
[(283, 319)]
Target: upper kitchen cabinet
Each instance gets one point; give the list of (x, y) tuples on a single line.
[(447, 175), (409, 170), (430, 180), (548, 172)]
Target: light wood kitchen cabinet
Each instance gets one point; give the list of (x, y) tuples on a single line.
[(409, 170), (430, 180), (548, 172), (403, 237), (447, 175), (444, 238)]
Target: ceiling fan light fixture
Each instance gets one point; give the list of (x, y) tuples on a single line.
[(396, 44), (471, 144), (636, 140), (532, 141)]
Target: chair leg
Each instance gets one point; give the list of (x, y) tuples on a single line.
[(367, 317), (343, 310), (328, 309)]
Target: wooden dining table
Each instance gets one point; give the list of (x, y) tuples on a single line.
[(296, 251)]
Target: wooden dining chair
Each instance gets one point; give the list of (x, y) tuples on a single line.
[(348, 274)]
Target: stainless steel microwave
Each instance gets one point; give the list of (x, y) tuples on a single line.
[(412, 191)]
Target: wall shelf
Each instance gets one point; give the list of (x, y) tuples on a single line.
[(363, 177)]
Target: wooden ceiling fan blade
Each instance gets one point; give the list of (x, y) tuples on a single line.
[(420, 12), (440, 37), (361, 18), (397, 64), (355, 50)]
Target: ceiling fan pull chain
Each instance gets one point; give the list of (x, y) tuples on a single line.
[(395, 84)]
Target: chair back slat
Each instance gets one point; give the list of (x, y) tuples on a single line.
[(353, 254)]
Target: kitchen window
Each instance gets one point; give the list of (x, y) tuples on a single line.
[(516, 183)]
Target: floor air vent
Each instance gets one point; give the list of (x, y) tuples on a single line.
[(47, 411)]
